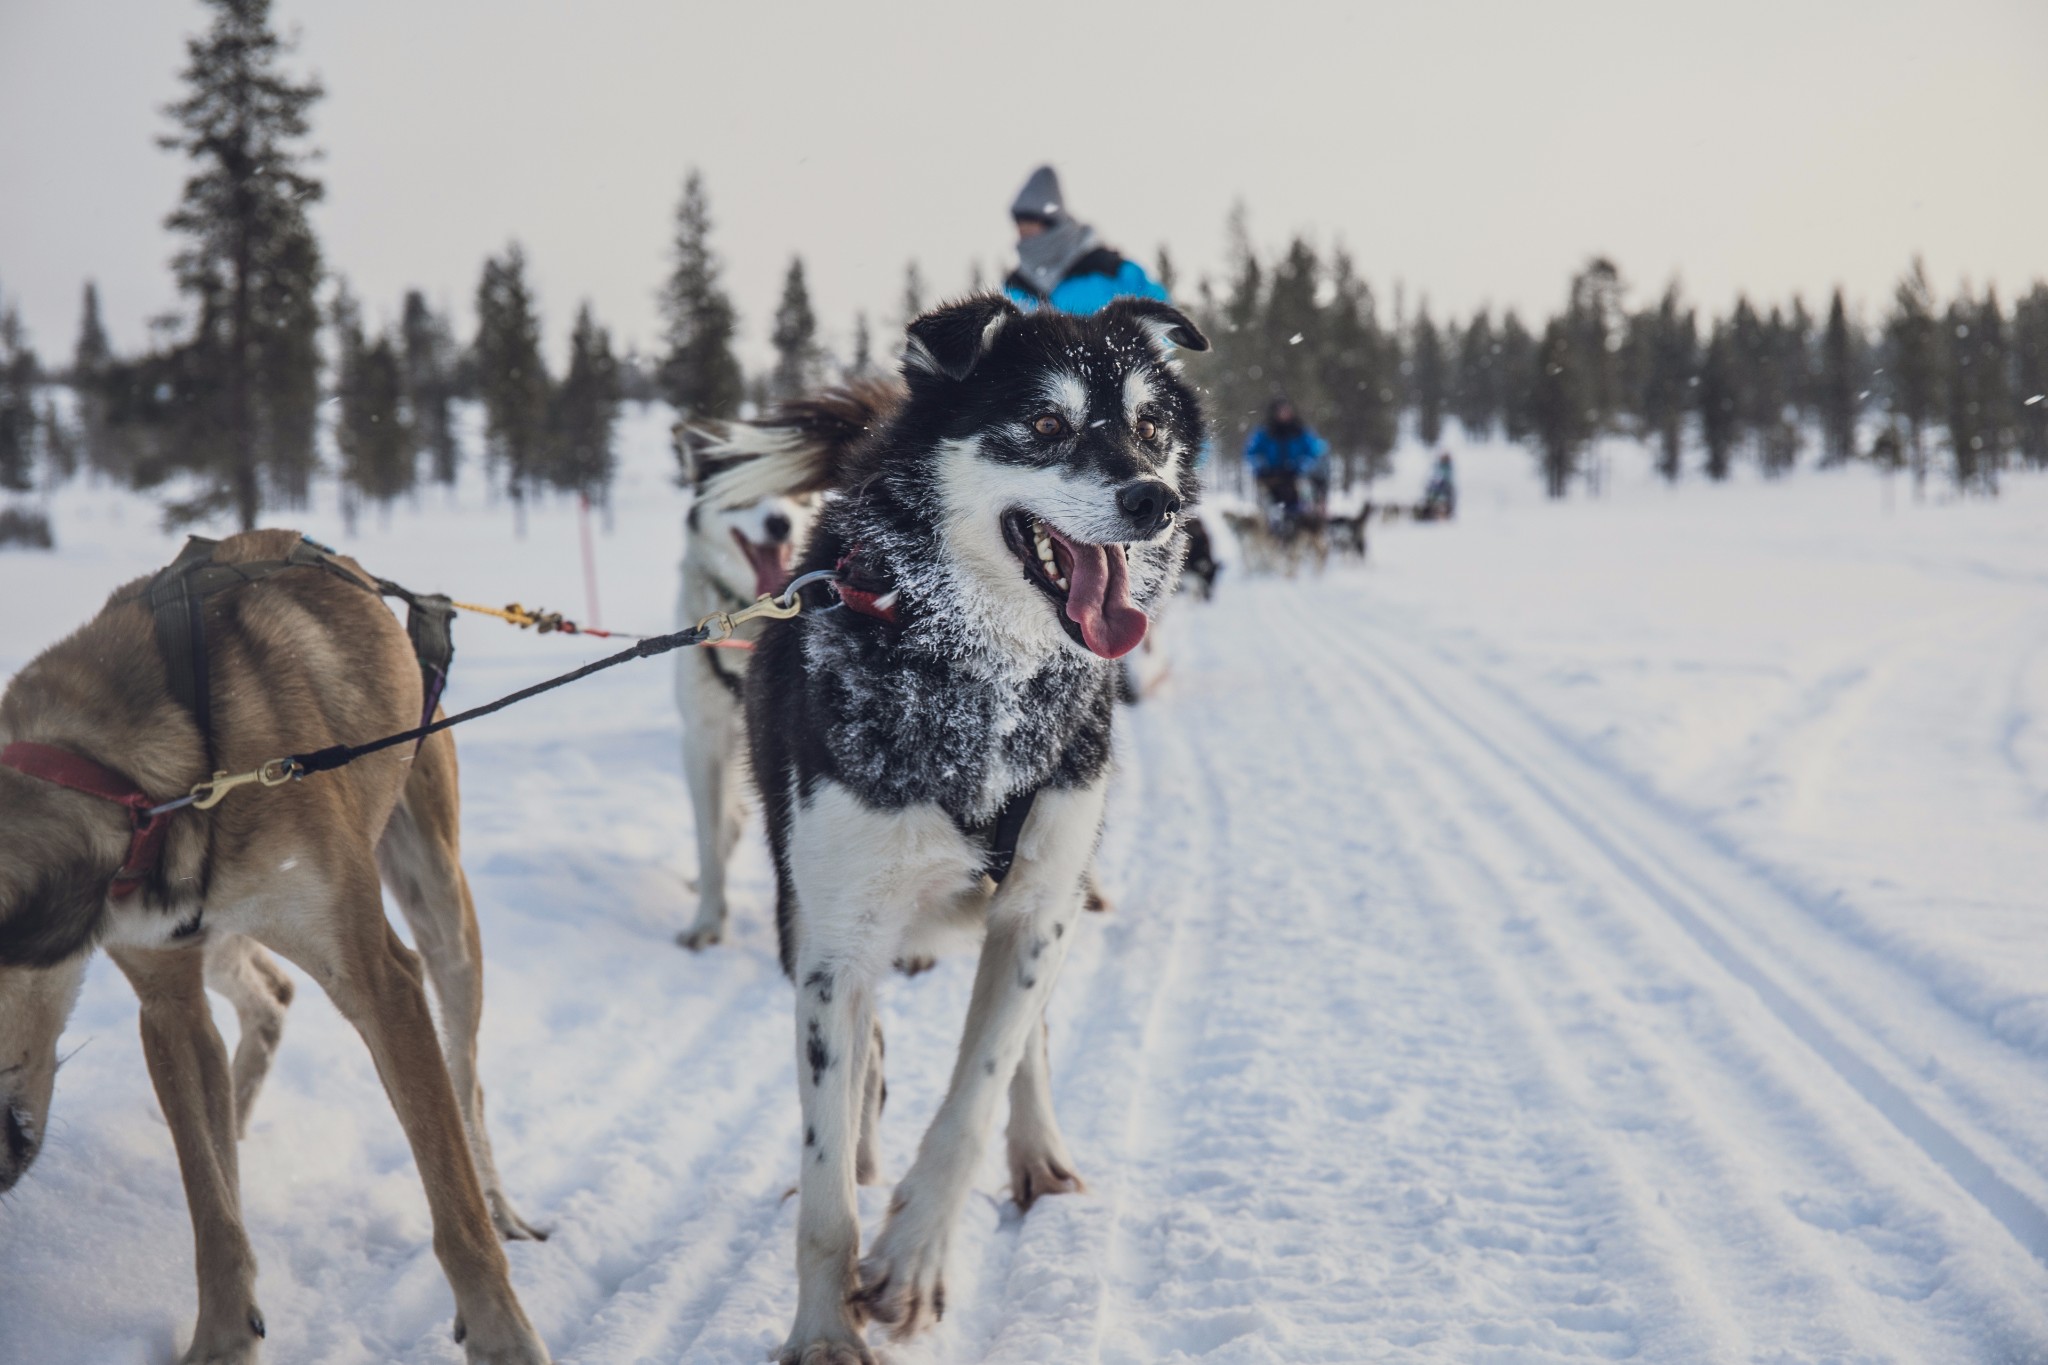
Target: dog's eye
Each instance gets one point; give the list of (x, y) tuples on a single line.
[(1147, 429), (1049, 425)]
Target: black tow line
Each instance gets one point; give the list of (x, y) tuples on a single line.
[(720, 625)]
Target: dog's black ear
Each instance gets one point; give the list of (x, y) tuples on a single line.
[(1164, 323), (951, 340)]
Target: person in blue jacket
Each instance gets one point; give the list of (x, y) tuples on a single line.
[(1060, 263), (1440, 499), (1290, 462)]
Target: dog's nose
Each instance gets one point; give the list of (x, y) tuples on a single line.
[(776, 527), (1149, 504)]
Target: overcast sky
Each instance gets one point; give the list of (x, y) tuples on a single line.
[(1475, 152)]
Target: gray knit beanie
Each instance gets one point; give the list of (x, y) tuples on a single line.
[(1041, 197)]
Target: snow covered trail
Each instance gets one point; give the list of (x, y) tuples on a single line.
[(1438, 1018)]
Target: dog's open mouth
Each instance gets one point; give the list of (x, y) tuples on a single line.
[(1089, 584), (770, 564)]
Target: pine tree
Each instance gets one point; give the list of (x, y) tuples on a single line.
[(246, 379), (795, 337), (511, 376), (1291, 329), (370, 431), (1427, 378), (2029, 350), (428, 352), (19, 374), (92, 363), (863, 363), (1561, 414), (1593, 330), (702, 374), (1357, 377), (912, 302), (1840, 387), (1517, 366), (1164, 272), (1913, 365), (1475, 384), (584, 412), (1235, 371), (1669, 368), (91, 356), (1977, 391), (1720, 402)]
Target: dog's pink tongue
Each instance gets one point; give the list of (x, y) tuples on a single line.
[(1099, 600)]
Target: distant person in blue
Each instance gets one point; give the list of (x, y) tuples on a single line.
[(1060, 263), (1290, 462), (1440, 498)]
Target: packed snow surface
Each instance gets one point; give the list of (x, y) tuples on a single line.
[(1601, 931)]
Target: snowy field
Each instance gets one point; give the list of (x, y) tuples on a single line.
[(1601, 931)]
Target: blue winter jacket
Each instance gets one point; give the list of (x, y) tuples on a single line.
[(1095, 280), (1301, 453)]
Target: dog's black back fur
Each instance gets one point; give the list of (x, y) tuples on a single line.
[(933, 709)]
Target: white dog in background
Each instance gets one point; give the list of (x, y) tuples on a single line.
[(741, 538)]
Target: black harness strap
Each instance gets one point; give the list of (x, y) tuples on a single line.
[(733, 683), (177, 599), (1002, 834)]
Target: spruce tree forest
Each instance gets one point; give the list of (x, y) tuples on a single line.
[(227, 413)]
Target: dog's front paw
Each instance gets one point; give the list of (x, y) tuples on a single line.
[(509, 1343), (1040, 1172), (227, 1343), (701, 936), (841, 1346), (903, 1282)]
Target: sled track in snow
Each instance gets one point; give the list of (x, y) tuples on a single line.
[(1656, 863)]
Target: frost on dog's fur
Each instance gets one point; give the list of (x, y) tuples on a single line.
[(885, 749)]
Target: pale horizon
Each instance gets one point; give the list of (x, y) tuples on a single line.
[(1471, 154)]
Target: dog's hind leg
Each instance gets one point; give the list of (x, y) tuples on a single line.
[(375, 981), (716, 798), (1039, 1164), (1030, 924), (188, 1064), (240, 971), (420, 859)]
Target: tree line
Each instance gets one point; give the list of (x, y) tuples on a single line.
[(222, 408), (1960, 387)]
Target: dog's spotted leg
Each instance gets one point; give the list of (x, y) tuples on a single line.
[(242, 973), (1030, 925), (188, 1064), (1039, 1163), (835, 1049)]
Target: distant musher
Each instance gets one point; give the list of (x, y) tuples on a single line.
[(1060, 263), (1291, 464), (1440, 498)]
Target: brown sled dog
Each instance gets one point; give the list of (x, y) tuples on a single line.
[(299, 660)]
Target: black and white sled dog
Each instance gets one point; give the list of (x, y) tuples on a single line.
[(934, 751), (745, 527)]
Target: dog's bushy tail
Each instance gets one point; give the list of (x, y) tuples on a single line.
[(803, 446)]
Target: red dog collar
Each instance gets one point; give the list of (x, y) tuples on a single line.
[(63, 768), (863, 594)]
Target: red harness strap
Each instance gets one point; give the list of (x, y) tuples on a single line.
[(81, 774)]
